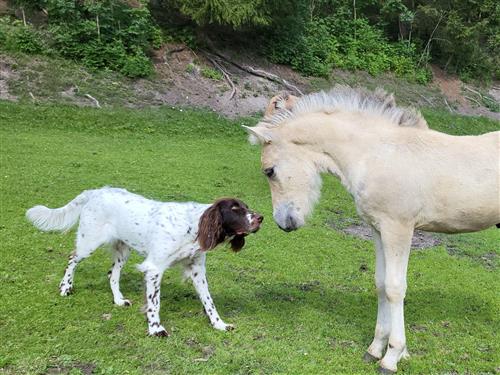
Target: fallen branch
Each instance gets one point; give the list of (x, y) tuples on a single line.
[(96, 102), (427, 100), (176, 50), (449, 107), (473, 100), (259, 73), (225, 74), (32, 96), (271, 77), (474, 91)]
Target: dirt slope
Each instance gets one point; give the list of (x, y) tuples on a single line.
[(199, 79)]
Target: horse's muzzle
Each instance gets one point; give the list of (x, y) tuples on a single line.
[(286, 217), (290, 224)]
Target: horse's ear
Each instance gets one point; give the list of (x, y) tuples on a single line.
[(258, 134)]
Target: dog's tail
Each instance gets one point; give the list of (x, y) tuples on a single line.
[(60, 219)]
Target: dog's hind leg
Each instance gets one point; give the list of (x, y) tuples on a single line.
[(88, 239), (121, 253), (152, 277)]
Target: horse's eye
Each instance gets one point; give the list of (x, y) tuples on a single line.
[(269, 172)]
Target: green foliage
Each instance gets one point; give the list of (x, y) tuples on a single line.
[(105, 34), (102, 34), (314, 37), (339, 42), (212, 74), (462, 36), (16, 37), (235, 13)]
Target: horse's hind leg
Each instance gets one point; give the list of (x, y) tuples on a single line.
[(383, 326), (88, 239), (396, 242), (121, 253)]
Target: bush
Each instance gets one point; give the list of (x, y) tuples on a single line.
[(338, 41), (212, 74), (16, 37), (137, 65), (103, 34)]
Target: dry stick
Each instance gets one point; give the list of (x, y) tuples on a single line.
[(175, 50), (427, 100), (271, 77), (428, 45), (473, 100), (226, 75), (473, 91), (260, 73), (32, 96), (96, 102), (24, 16), (449, 108), (98, 27)]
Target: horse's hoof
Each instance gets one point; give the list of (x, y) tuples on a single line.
[(385, 371), (368, 358)]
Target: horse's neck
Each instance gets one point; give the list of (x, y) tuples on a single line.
[(339, 144)]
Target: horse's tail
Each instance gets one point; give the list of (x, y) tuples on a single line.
[(60, 219)]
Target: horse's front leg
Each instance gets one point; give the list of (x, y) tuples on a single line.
[(396, 242), (383, 326)]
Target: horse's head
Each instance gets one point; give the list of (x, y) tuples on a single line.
[(293, 177)]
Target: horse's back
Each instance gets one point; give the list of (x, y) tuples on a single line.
[(444, 183)]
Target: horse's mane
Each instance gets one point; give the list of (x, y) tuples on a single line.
[(346, 98)]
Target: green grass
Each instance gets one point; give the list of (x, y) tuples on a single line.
[(302, 302)]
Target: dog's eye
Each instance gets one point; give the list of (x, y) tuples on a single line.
[(269, 172)]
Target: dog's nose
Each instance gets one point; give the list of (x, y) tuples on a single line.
[(260, 218)]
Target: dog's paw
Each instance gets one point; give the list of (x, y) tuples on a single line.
[(123, 302), (163, 333), (65, 290), (158, 331), (221, 326)]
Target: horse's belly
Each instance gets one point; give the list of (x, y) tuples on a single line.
[(460, 221)]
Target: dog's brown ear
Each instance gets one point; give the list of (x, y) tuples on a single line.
[(237, 243), (210, 231)]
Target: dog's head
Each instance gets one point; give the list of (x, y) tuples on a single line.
[(227, 217)]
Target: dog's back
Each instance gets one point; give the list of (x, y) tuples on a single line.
[(110, 214)]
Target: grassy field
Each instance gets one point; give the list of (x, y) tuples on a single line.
[(302, 303)]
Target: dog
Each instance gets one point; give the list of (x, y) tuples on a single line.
[(165, 233)]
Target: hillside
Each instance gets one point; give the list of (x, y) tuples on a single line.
[(187, 78)]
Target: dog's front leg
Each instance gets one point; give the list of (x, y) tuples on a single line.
[(152, 277), (197, 272)]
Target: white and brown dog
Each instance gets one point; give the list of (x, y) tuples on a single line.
[(165, 233)]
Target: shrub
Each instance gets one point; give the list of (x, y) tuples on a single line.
[(103, 34), (338, 41), (212, 74), (16, 37), (137, 65)]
